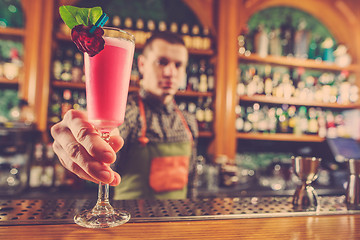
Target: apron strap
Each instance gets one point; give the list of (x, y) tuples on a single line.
[(143, 139)]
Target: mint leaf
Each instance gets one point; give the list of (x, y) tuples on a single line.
[(73, 16)]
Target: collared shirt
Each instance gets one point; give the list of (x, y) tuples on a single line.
[(163, 122)]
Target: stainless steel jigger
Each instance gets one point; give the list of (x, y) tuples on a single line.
[(353, 188), (305, 197)]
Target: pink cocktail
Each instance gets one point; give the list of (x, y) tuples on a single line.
[(107, 82)]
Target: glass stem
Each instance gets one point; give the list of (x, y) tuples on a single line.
[(103, 204)]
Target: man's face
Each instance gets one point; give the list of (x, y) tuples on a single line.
[(163, 68)]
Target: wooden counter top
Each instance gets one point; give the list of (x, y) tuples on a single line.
[(299, 228)]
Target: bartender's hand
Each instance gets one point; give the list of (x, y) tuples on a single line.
[(81, 149)]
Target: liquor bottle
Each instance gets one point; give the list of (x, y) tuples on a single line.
[(174, 27), (283, 119), (191, 108), (66, 104), (206, 39), (12, 65), (354, 90), (313, 126), (275, 42), (287, 38), (301, 40), (272, 120), (193, 77), (185, 31), (210, 77), (293, 120), (135, 74), (140, 34), (209, 114), (203, 80), (200, 114), (116, 21), (66, 74), (77, 69), (196, 41), (248, 126), (128, 23), (162, 26), (239, 122), (262, 42), (302, 120), (55, 108), (36, 169), (47, 178), (57, 64), (268, 83), (150, 25)]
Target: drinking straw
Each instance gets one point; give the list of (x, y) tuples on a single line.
[(100, 22)]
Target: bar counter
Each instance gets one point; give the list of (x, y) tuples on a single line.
[(213, 218)]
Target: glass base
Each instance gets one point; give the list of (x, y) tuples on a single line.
[(91, 219)]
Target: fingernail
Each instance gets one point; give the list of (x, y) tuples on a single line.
[(104, 175)]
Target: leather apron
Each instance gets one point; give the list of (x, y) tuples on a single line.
[(155, 170)]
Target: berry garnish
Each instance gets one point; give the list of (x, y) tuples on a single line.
[(92, 43), (85, 25)]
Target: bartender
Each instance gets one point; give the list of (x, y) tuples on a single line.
[(158, 140)]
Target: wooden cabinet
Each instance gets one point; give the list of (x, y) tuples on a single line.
[(341, 20)]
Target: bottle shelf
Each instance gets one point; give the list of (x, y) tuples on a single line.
[(205, 134), (4, 80), (295, 101), (17, 32), (208, 52), (289, 137), (297, 62), (74, 85)]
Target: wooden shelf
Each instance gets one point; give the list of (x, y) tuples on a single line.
[(295, 101), (9, 82), (279, 137), (209, 52), (194, 94), (205, 134), (17, 32), (297, 62), (73, 85)]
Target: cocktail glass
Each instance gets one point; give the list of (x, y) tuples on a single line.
[(107, 84)]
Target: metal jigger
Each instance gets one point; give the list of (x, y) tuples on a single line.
[(305, 197), (353, 188)]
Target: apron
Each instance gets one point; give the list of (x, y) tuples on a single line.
[(155, 170)]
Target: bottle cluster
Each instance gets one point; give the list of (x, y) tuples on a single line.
[(203, 110), (68, 65), (10, 60), (200, 76), (299, 42), (304, 85), (195, 36), (63, 100), (290, 119), (46, 171)]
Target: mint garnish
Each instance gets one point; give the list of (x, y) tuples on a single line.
[(73, 16)]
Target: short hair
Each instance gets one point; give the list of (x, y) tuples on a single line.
[(167, 36)]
